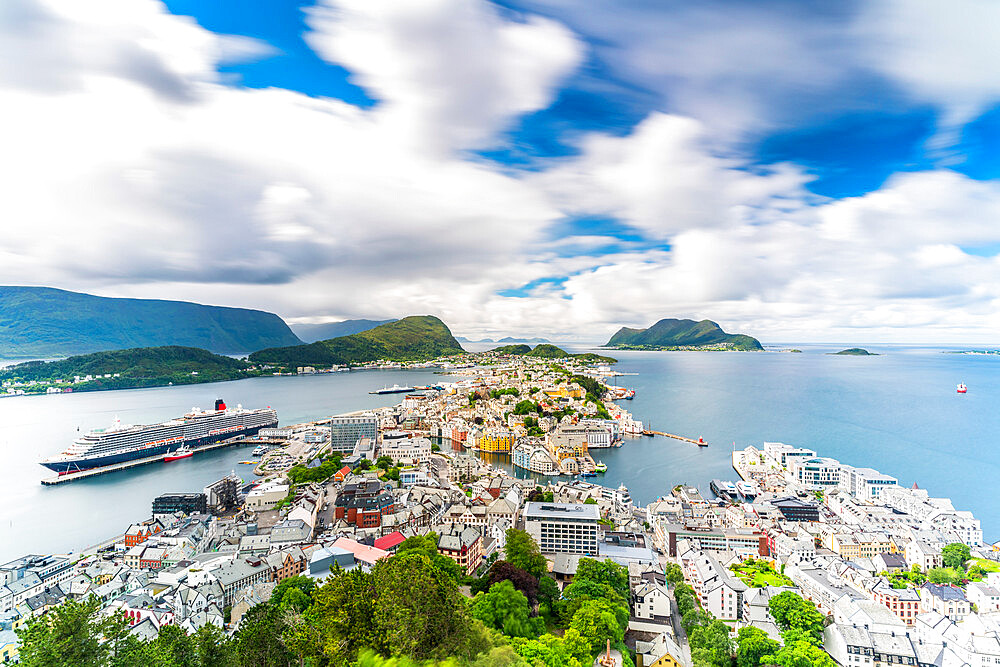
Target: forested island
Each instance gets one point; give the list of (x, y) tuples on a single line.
[(674, 334), (125, 369)]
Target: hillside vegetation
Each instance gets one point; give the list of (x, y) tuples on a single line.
[(549, 351), (135, 367), (310, 333), (414, 338), (46, 322), (674, 334)]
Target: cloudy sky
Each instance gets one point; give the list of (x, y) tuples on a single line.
[(801, 171)]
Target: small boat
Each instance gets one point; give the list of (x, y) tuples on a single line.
[(600, 467), (181, 452), (962, 388), (394, 389), (248, 463), (588, 474), (259, 451)]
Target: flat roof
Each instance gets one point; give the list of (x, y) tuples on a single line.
[(570, 511)]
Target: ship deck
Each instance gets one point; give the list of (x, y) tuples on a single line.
[(116, 467)]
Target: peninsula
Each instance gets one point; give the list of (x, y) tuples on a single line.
[(549, 351), (123, 369), (674, 334), (414, 338)]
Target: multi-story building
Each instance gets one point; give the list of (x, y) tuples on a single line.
[(498, 441), (864, 483), (462, 544), (346, 431), (819, 472), (404, 449), (188, 503), (903, 602), (946, 599), (563, 528)]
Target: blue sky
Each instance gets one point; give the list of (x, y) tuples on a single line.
[(799, 170)]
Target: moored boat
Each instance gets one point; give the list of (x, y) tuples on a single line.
[(181, 453), (962, 388)]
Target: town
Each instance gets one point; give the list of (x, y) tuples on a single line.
[(806, 560)]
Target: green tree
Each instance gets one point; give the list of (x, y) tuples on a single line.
[(343, 615), (523, 552), (505, 608), (259, 638), (944, 575), (383, 462), (596, 622), (294, 592), (418, 609), (713, 639), (799, 653), (673, 573), (752, 645), (605, 572), (71, 634), (790, 611), (956, 555)]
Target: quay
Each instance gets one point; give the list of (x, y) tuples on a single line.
[(700, 441), (103, 470)]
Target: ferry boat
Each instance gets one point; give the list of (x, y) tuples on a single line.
[(723, 489), (122, 443), (394, 389), (962, 388), (747, 490), (259, 451), (182, 452)]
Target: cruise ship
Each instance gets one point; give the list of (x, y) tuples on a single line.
[(121, 443)]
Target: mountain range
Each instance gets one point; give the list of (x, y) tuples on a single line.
[(673, 333), (414, 338), (46, 322)]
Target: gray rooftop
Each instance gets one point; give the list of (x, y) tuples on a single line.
[(564, 511)]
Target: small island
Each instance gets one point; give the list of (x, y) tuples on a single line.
[(855, 352)]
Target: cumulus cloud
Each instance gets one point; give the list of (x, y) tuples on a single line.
[(129, 169), (450, 73)]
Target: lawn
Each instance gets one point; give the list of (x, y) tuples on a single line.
[(759, 573), (987, 565)]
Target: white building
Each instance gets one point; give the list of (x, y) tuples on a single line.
[(563, 528), (864, 483), (406, 450)]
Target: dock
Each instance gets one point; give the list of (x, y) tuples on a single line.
[(104, 470), (700, 441)]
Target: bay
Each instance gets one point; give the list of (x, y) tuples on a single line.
[(72, 516), (897, 412)]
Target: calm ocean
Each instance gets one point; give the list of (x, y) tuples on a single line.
[(897, 412)]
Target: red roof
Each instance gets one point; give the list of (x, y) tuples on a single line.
[(344, 471), (389, 541)]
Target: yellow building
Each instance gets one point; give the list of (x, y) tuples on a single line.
[(660, 652), (497, 442)]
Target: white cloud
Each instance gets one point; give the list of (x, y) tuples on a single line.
[(116, 183), (450, 73)]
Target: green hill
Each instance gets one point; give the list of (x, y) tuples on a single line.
[(672, 334), (414, 338), (549, 351), (135, 367), (512, 349), (855, 352), (310, 333), (46, 322)]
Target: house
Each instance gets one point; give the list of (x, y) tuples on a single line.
[(291, 531), (984, 596), (889, 562), (923, 555), (650, 607), (140, 532), (462, 544), (718, 590), (363, 554), (390, 542), (946, 599), (662, 651), (288, 562), (243, 572)]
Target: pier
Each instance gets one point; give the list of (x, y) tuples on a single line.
[(103, 470), (700, 441)]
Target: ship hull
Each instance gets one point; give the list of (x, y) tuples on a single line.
[(80, 464)]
